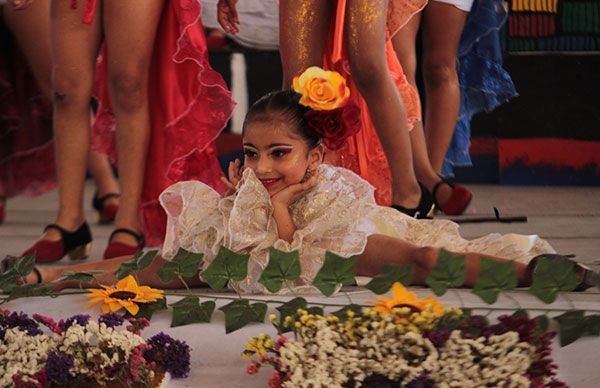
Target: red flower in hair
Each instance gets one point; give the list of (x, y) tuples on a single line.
[(334, 126)]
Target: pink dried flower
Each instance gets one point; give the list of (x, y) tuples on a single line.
[(253, 368), (49, 322)]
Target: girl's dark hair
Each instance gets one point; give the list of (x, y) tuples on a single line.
[(284, 104)]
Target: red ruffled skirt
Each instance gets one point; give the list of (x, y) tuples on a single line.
[(189, 106), (26, 140), (363, 152)]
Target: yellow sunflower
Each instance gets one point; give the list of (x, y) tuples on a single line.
[(126, 294), (401, 297)]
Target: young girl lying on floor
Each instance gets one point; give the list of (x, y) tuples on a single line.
[(287, 198)]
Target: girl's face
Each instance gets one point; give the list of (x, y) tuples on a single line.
[(278, 156)]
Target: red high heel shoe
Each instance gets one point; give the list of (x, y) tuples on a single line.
[(106, 211), (77, 245), (457, 203), (118, 249)]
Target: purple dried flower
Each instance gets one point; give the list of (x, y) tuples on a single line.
[(437, 337), (23, 322), (173, 355), (80, 319), (421, 382), (111, 319), (57, 367)]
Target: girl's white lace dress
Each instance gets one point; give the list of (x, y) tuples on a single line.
[(337, 215)]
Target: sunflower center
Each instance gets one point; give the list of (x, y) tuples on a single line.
[(123, 295), (413, 309)]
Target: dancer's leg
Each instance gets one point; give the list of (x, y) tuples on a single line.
[(74, 50), (303, 28), (405, 46), (442, 27), (366, 38), (130, 31), (103, 176), (383, 249), (30, 27)]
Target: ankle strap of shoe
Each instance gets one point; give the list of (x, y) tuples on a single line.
[(72, 240), (139, 237)]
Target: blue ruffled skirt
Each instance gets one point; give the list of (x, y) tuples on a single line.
[(484, 83)]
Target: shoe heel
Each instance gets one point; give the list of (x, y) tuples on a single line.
[(82, 252)]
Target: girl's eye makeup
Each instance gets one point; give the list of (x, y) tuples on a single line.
[(249, 153), (279, 153)]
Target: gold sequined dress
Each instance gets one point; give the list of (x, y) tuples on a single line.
[(337, 215)]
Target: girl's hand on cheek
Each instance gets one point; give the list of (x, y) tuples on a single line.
[(234, 177), (292, 193)]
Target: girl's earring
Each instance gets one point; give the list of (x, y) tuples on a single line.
[(307, 175)]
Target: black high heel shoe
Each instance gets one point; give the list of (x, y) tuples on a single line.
[(424, 209)]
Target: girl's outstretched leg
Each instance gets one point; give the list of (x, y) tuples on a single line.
[(366, 40), (303, 28), (384, 249)]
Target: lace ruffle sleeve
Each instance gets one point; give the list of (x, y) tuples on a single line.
[(194, 221)]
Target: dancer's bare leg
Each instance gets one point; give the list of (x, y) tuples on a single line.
[(384, 249), (304, 25), (366, 38), (30, 28), (442, 27), (130, 31), (74, 50), (404, 45), (103, 176)]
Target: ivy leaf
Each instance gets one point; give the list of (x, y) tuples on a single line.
[(144, 260), (592, 325), (82, 277), (542, 323), (147, 310), (8, 279), (239, 313), (189, 310), (336, 271), (24, 265), (289, 309), (572, 326), (342, 313), (521, 313), (184, 264), (448, 272), (125, 270), (282, 266), (550, 277), (390, 274), (27, 290), (227, 266), (316, 310), (494, 277)]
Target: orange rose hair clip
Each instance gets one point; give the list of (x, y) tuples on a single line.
[(331, 116)]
